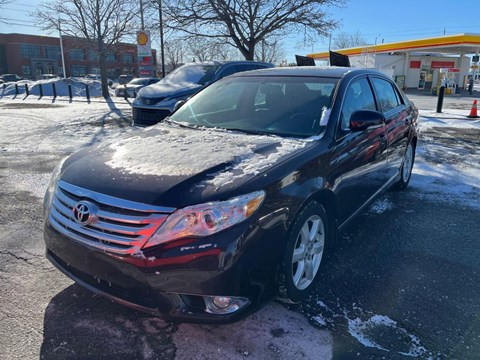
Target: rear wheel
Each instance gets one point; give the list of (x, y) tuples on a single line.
[(406, 169), (305, 252)]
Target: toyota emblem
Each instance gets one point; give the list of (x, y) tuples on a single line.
[(147, 101), (83, 213)]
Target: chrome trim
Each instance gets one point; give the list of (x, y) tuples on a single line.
[(113, 201), (115, 228)]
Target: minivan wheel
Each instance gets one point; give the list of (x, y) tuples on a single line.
[(304, 253), (406, 169)]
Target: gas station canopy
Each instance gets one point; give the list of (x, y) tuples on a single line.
[(460, 44)]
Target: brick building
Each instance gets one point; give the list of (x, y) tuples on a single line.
[(29, 56)]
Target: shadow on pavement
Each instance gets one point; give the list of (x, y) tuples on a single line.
[(81, 325)]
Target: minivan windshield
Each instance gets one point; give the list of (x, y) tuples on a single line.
[(286, 106), (192, 73)]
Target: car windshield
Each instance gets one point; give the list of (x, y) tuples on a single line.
[(285, 106), (192, 73), (139, 81)]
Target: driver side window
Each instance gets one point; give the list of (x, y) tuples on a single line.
[(359, 96)]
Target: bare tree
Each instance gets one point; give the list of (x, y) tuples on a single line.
[(174, 54), (102, 23), (269, 51), (205, 49), (345, 40), (244, 24), (4, 2)]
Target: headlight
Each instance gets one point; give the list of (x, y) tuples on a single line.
[(207, 219), (47, 200)]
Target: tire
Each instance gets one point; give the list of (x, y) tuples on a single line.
[(304, 253), (406, 168)]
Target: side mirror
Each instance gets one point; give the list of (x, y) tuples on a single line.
[(363, 119), (179, 104)]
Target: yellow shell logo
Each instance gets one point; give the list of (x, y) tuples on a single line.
[(142, 38)]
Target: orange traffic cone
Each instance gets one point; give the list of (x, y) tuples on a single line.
[(473, 112)]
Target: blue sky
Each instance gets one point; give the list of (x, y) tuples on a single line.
[(374, 19)]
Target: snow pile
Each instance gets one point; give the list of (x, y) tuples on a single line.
[(78, 87), (185, 152)]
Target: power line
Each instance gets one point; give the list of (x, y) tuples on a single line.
[(18, 20)]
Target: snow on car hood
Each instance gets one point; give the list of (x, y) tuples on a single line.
[(171, 151), (174, 166), (166, 88)]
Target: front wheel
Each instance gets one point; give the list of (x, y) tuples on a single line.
[(304, 253), (406, 169)]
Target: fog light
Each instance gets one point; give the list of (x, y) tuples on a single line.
[(224, 304), (221, 302)]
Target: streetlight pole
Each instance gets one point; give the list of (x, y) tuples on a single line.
[(61, 49), (162, 52)]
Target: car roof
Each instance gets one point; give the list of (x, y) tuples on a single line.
[(227, 62), (320, 71)]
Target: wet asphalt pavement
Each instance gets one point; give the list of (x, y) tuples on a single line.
[(405, 280)]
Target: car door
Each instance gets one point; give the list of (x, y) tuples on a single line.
[(397, 120), (359, 157)]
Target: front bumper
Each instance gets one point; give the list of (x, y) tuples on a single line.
[(171, 280)]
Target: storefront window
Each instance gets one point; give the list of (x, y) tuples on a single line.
[(52, 52), (29, 51), (76, 54)]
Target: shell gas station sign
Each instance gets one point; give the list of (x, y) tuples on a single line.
[(144, 52)]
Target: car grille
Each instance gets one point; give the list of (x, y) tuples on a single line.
[(118, 226), (148, 116)]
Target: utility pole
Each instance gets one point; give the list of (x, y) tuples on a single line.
[(141, 15), (162, 52), (61, 48)]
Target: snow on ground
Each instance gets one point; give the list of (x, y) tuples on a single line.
[(373, 330), (448, 173), (444, 173)]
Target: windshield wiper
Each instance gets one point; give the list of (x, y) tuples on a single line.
[(181, 124), (252, 132)]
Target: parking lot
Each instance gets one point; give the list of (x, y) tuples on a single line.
[(401, 283)]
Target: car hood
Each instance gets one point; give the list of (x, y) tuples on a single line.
[(176, 167), (165, 89)]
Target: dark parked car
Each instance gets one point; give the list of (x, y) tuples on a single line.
[(131, 89), (157, 101), (236, 197), (9, 78)]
